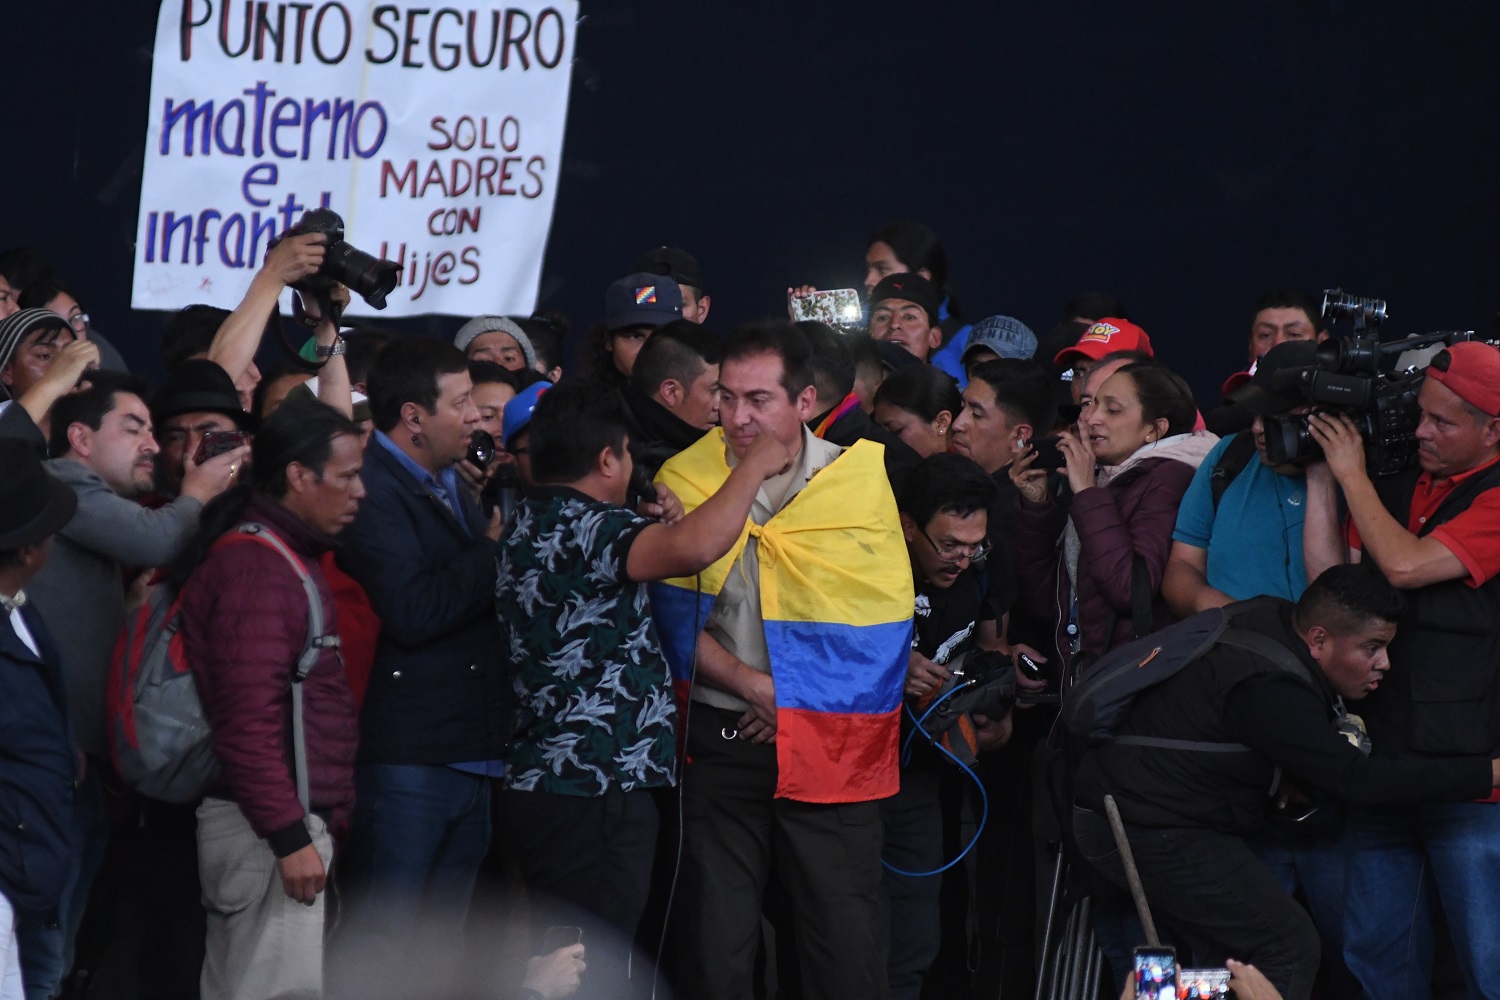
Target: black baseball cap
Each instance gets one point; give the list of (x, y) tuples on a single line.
[(910, 287), (672, 262), (1273, 389)]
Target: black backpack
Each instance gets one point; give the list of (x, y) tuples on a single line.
[(1100, 700)]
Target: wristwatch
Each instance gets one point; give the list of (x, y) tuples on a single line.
[(339, 346)]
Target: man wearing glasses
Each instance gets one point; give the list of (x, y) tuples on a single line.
[(944, 508)]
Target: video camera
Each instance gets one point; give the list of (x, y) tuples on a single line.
[(1348, 379)]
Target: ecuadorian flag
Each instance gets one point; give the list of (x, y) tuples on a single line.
[(836, 596)]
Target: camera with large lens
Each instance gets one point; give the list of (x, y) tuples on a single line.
[(1348, 379), (367, 276)]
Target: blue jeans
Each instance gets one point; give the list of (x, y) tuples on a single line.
[(420, 833), (1314, 862), (47, 950), (1397, 857)]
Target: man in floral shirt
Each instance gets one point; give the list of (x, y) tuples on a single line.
[(595, 730)]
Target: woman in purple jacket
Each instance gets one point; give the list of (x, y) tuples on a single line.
[(1129, 461)]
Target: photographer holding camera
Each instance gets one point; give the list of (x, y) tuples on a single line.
[(944, 509), (1434, 531)]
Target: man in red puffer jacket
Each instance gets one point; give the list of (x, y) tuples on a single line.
[(263, 858)]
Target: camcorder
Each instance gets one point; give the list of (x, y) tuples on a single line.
[(367, 276), (1349, 378)]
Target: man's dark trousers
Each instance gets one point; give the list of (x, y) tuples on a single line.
[(827, 859), (1217, 896), (586, 861)]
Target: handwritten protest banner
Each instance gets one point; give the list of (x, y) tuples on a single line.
[(436, 132)]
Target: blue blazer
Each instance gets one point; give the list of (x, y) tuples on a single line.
[(440, 690), (38, 768)]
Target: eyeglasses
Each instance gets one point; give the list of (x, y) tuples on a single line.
[(953, 553), (79, 323)]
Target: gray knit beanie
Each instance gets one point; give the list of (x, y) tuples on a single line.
[(493, 324)]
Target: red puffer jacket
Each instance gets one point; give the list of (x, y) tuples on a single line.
[(244, 623)]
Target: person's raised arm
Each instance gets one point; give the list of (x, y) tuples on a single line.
[(294, 258), (73, 360), (1323, 543), (693, 543), (1184, 583), (334, 388)]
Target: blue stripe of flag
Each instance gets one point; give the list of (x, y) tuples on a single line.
[(824, 667)]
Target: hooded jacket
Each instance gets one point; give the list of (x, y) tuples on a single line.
[(1132, 513)]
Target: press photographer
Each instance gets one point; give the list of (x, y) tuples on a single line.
[(1434, 531)]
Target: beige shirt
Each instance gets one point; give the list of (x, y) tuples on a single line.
[(735, 620)]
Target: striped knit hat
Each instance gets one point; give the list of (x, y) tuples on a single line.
[(15, 327)]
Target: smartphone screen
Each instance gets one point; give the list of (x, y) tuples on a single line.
[(1155, 974), (1203, 984), (837, 308), (216, 443)]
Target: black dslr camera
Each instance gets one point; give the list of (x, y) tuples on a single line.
[(1348, 379), (371, 278)]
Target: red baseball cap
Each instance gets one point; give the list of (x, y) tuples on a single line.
[(1107, 336), (1236, 381), (1472, 371)]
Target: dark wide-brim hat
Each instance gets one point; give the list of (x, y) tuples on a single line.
[(33, 505), (200, 386)]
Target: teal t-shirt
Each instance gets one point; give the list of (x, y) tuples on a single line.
[(1254, 539)]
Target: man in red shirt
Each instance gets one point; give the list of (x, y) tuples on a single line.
[(1434, 531)]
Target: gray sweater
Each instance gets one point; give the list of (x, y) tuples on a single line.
[(80, 592)]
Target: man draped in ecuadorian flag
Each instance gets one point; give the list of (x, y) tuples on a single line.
[(801, 634)]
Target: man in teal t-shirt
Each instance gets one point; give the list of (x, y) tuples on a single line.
[(1250, 543)]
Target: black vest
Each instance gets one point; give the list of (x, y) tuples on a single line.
[(1441, 696)]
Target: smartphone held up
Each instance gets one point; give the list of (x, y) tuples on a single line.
[(838, 307)]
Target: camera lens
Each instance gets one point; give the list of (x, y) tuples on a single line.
[(371, 278), (1289, 442)]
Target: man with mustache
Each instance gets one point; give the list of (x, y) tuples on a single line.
[(104, 450)]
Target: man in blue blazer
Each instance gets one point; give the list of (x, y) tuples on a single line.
[(436, 719), (38, 761)]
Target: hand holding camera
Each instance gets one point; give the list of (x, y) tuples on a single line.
[(296, 257), (1343, 445)]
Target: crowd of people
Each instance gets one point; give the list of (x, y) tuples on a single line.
[(739, 664)]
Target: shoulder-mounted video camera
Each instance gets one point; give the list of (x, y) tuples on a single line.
[(1349, 378)]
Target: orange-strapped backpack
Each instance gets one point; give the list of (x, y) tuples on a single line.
[(159, 736)]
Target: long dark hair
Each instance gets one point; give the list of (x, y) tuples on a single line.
[(301, 431), (917, 247), (1163, 393)]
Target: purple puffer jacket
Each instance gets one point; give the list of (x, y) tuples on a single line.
[(1134, 514), (244, 622)]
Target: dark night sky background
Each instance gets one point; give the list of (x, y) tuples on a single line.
[(1184, 157)]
